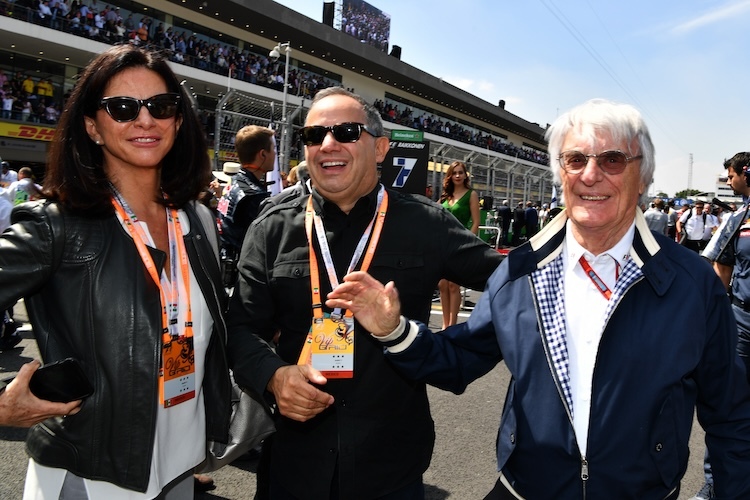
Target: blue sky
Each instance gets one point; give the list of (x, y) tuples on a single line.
[(684, 64)]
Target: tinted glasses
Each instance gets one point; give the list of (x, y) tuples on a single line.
[(343, 132), (611, 162), (126, 109)]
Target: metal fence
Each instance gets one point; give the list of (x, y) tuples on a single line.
[(493, 174)]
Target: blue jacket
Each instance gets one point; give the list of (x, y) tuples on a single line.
[(668, 347)]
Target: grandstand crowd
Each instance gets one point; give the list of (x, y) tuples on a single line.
[(39, 100)]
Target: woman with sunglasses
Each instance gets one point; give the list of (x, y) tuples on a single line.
[(120, 271), (463, 202)]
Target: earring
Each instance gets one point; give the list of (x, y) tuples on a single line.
[(98, 142)]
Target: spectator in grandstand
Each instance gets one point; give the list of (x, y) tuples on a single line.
[(7, 176), (45, 90), (370, 435), (129, 24), (120, 241), (112, 16), (8, 100), (18, 107), (119, 31), (609, 357), (16, 84), (142, 30), (99, 20), (44, 13), (463, 202), (51, 113), (85, 12), (75, 25), (28, 85)]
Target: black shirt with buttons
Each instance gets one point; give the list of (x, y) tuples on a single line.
[(378, 436)]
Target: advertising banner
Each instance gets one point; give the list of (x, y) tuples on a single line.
[(405, 165)]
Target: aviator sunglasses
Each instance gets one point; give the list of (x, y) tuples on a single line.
[(343, 132), (611, 162), (126, 109)]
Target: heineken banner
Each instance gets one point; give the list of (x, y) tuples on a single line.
[(405, 165)]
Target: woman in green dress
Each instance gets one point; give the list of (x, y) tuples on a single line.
[(463, 202)]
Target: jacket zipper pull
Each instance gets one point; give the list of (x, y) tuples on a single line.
[(584, 474)]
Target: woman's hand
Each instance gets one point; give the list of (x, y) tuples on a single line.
[(20, 408)]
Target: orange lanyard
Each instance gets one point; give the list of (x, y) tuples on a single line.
[(375, 227), (596, 280), (178, 256)]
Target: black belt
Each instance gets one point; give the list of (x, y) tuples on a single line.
[(745, 306)]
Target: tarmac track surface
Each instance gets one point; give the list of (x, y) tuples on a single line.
[(463, 463)]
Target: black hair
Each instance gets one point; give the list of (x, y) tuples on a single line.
[(75, 176)]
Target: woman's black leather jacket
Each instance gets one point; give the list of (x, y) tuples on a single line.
[(89, 296)]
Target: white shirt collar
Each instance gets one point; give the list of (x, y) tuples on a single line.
[(620, 252)]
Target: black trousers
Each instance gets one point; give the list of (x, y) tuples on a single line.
[(696, 245)]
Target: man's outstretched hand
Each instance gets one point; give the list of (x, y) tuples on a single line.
[(376, 306)]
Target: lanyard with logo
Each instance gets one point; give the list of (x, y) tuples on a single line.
[(329, 345), (596, 280), (177, 372)]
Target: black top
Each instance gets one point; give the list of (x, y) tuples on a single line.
[(90, 297), (379, 433), (239, 207)]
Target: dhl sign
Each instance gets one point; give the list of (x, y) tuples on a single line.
[(224, 155), (27, 131)]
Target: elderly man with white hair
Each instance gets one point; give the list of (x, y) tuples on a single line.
[(613, 335)]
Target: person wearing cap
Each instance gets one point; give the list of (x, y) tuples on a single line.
[(239, 205)]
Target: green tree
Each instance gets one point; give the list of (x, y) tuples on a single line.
[(687, 193), (662, 195)]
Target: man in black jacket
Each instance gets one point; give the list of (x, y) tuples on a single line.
[(239, 205), (364, 433), (505, 218)]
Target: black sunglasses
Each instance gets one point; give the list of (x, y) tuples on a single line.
[(126, 109), (343, 132)]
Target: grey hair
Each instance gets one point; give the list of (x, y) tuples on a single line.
[(622, 121), (372, 115)]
